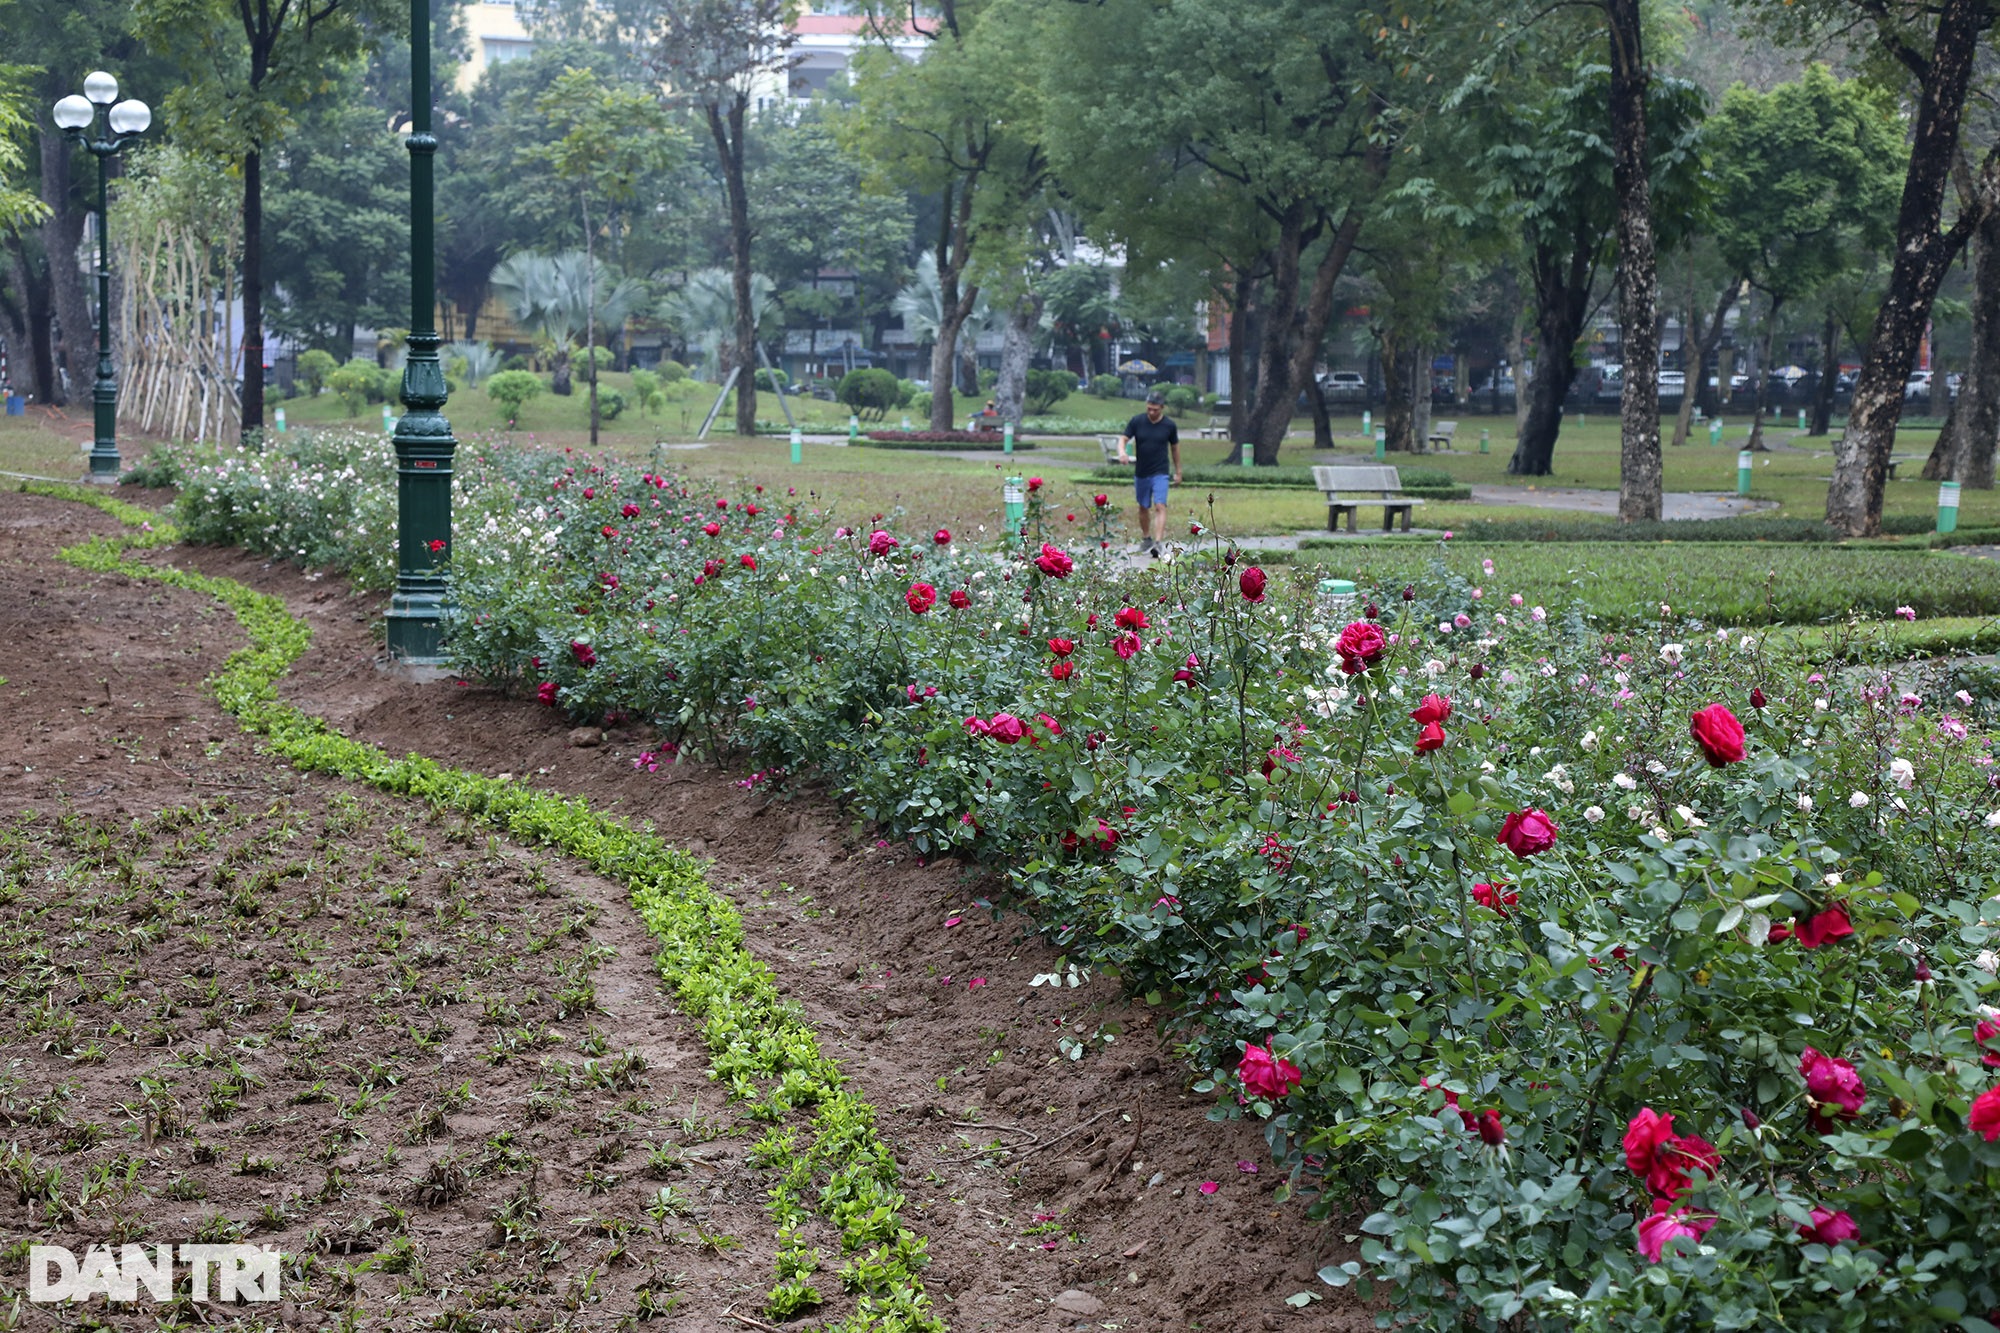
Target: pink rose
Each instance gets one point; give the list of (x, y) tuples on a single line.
[(1660, 1228), (1527, 833), (1006, 728), (1983, 1116), (1718, 733), (1126, 646), (881, 543), (1829, 1227), (1833, 1089), (1496, 896), (1267, 1075), (1986, 1036)]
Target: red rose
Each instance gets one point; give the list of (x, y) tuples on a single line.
[(610, 533), (1126, 646), (1432, 708), (630, 510), (1251, 583), (1006, 728), (881, 543), (1490, 1129), (753, 510), (546, 693), (722, 504), (1674, 1159), (1833, 1089), (1718, 733), (1430, 738), (1987, 1030), (942, 536), (748, 561), (1824, 927), (1528, 832), (1131, 617), (1644, 1133), (436, 545), (921, 597), (712, 529), (1061, 647), (585, 655), (709, 569), (1055, 727), (1661, 1228), (1034, 483), (1266, 1074), (1361, 646), (1496, 896), (1829, 1228), (1053, 562), (1757, 699), (960, 599), (1983, 1116), (1061, 670), (1100, 500)]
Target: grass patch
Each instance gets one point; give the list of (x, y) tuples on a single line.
[(760, 1045)]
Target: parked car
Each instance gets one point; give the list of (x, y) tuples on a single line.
[(1672, 383), (1344, 386), (1918, 385)]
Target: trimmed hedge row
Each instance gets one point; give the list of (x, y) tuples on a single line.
[(934, 439)]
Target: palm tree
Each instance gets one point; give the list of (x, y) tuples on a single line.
[(703, 313), (551, 298), (921, 304)]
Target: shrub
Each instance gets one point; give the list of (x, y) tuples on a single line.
[(906, 392), (672, 372), (920, 403), (1107, 386), (987, 379), (610, 403), (769, 380), (512, 389), (515, 361), (359, 383), (870, 392), (1183, 398), (938, 439), (314, 367), (1046, 388), (646, 393)]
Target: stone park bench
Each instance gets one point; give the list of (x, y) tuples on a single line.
[(1348, 487), (1216, 429), (1109, 444), (1442, 434)]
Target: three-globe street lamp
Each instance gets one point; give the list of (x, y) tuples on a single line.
[(77, 116), (423, 440)]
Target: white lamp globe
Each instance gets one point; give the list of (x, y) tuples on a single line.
[(100, 88), (73, 113), (131, 116)]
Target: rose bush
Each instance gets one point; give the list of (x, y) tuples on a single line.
[(1784, 960)]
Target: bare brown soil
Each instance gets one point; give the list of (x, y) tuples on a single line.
[(196, 938)]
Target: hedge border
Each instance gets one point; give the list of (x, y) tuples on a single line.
[(750, 1030)]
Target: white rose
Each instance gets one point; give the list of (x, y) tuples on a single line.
[(1903, 773), (1805, 803), (1662, 834), (1635, 813), (1671, 653), (1993, 819), (1858, 800), (1589, 741), (1624, 781), (1593, 814)]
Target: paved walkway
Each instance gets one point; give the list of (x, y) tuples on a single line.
[(1674, 505)]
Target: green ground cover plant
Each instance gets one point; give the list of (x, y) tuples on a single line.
[(1627, 971), (761, 1047)]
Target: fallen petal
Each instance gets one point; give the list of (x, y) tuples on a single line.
[(1210, 1186)]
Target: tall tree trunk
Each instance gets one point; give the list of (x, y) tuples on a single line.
[(1760, 386), (253, 296), (1292, 345), (1322, 419), (1562, 295), (1979, 393), (1017, 345), (1946, 452), (725, 126), (1397, 392), (1829, 374), (68, 289), (1638, 272), (954, 305), (31, 349), (1923, 253), (1420, 399), (1244, 324), (1517, 352), (1267, 413)]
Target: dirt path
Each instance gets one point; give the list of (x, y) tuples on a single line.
[(1054, 1193)]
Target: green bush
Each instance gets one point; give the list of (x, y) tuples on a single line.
[(1107, 386), (512, 389), (769, 380), (870, 392), (920, 405), (646, 392), (987, 379), (314, 367), (1046, 388), (906, 392), (610, 403), (1558, 527), (1183, 398), (515, 361), (359, 383), (672, 372)]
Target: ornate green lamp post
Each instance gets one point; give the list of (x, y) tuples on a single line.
[(77, 116), (424, 445)]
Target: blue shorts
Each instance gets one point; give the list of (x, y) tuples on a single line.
[(1150, 490)]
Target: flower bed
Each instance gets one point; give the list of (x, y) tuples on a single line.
[(1631, 977)]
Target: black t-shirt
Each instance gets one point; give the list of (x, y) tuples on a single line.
[(1149, 443)]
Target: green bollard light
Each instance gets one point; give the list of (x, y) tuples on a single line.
[(1743, 472), (906, 421), (853, 427), (1715, 433), (1014, 494), (1007, 439), (388, 419), (798, 445), (1367, 424), (1485, 441), (1947, 520), (1802, 418), (1381, 444), (281, 421)]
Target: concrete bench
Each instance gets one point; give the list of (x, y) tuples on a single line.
[(1348, 487), (1216, 429), (1442, 433), (1109, 444), (1895, 459)]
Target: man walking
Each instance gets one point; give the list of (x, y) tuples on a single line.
[(1154, 440)]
